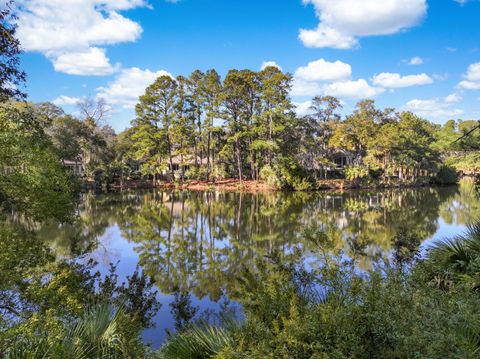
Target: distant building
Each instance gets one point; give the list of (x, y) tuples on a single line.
[(342, 159), (76, 167), (184, 163)]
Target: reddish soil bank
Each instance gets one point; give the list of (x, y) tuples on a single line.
[(249, 186), (227, 185)]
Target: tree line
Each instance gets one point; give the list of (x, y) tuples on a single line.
[(246, 127), (242, 126)]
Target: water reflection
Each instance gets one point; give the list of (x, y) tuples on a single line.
[(198, 241)]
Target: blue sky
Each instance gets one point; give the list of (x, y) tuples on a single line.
[(416, 55)]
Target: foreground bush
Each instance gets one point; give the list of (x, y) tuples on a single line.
[(394, 311), (102, 332), (198, 342)]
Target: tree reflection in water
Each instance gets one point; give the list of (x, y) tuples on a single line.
[(198, 242)]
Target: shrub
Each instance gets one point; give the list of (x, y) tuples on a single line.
[(102, 332), (219, 172), (356, 172), (268, 174), (291, 175), (447, 175), (204, 341), (376, 315), (465, 162), (199, 172)]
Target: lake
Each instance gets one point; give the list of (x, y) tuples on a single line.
[(198, 242)]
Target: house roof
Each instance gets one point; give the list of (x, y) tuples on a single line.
[(72, 163), (188, 160)]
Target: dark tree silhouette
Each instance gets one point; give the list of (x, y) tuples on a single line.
[(12, 77)]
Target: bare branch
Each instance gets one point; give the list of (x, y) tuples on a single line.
[(467, 134), (95, 110)]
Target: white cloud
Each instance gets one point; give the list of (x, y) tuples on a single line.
[(66, 100), (330, 78), (342, 22), (123, 4), (358, 89), (394, 80), (59, 28), (128, 86), (453, 98), (266, 64), (469, 85), (303, 108), (305, 88), (473, 72), (325, 36), (93, 62), (472, 78), (415, 61), (322, 70), (433, 108)]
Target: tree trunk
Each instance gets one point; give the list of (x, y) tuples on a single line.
[(270, 136), (208, 154), (239, 159)]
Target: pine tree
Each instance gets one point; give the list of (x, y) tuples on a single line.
[(155, 115)]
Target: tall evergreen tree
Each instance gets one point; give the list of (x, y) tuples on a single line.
[(273, 121), (155, 115), (211, 91), (240, 100)]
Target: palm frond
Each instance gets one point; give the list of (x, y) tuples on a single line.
[(39, 348), (452, 253), (96, 333), (201, 342)]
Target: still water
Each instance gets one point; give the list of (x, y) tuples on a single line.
[(198, 242)]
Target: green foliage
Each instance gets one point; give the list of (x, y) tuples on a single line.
[(199, 342), (336, 312), (268, 174), (291, 175), (219, 171), (101, 332), (356, 172), (48, 305), (32, 178), (465, 162), (287, 174), (200, 172), (447, 175), (371, 316), (457, 260), (461, 152), (11, 76)]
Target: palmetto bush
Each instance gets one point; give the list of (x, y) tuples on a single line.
[(458, 259), (101, 333), (201, 342)]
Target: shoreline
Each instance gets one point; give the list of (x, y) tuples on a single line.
[(250, 186)]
